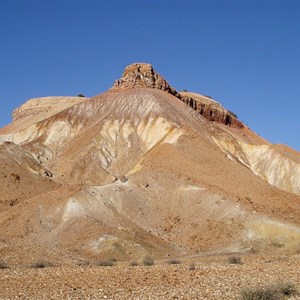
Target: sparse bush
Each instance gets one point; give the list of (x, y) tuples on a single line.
[(134, 263), (148, 261), (192, 266), (260, 294), (235, 260), (287, 289), (106, 263), (278, 291), (80, 95), (233, 114), (41, 264), (3, 265), (174, 262), (83, 263)]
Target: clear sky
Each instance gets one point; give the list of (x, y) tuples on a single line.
[(245, 54)]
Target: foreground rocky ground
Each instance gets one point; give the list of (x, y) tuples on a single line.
[(197, 278)]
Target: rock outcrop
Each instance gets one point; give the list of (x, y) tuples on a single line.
[(141, 75), (211, 109)]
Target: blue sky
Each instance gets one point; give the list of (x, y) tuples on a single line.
[(245, 54)]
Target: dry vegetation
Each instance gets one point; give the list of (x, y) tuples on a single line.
[(276, 291)]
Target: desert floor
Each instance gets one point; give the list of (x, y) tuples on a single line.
[(194, 278)]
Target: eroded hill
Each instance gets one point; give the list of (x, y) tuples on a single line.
[(135, 171)]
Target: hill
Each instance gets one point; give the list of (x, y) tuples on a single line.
[(136, 171)]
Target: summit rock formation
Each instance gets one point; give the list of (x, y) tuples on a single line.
[(142, 169), (144, 76)]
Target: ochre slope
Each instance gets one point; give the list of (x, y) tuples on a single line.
[(37, 109), (136, 171)]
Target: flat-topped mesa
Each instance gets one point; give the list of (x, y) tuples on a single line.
[(45, 105), (38, 109), (141, 75)]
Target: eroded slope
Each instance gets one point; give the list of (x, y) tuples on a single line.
[(135, 171)]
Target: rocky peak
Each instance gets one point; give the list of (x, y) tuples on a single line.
[(141, 75)]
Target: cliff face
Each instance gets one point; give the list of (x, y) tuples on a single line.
[(210, 109)]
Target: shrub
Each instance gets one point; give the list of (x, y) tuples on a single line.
[(83, 263), (260, 294), (192, 266), (233, 114), (235, 260), (106, 263), (287, 288), (148, 261), (277, 291), (41, 264), (174, 262), (80, 95), (134, 263), (3, 265)]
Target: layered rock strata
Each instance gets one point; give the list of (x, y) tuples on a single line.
[(140, 75)]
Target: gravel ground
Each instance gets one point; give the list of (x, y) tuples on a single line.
[(213, 278)]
